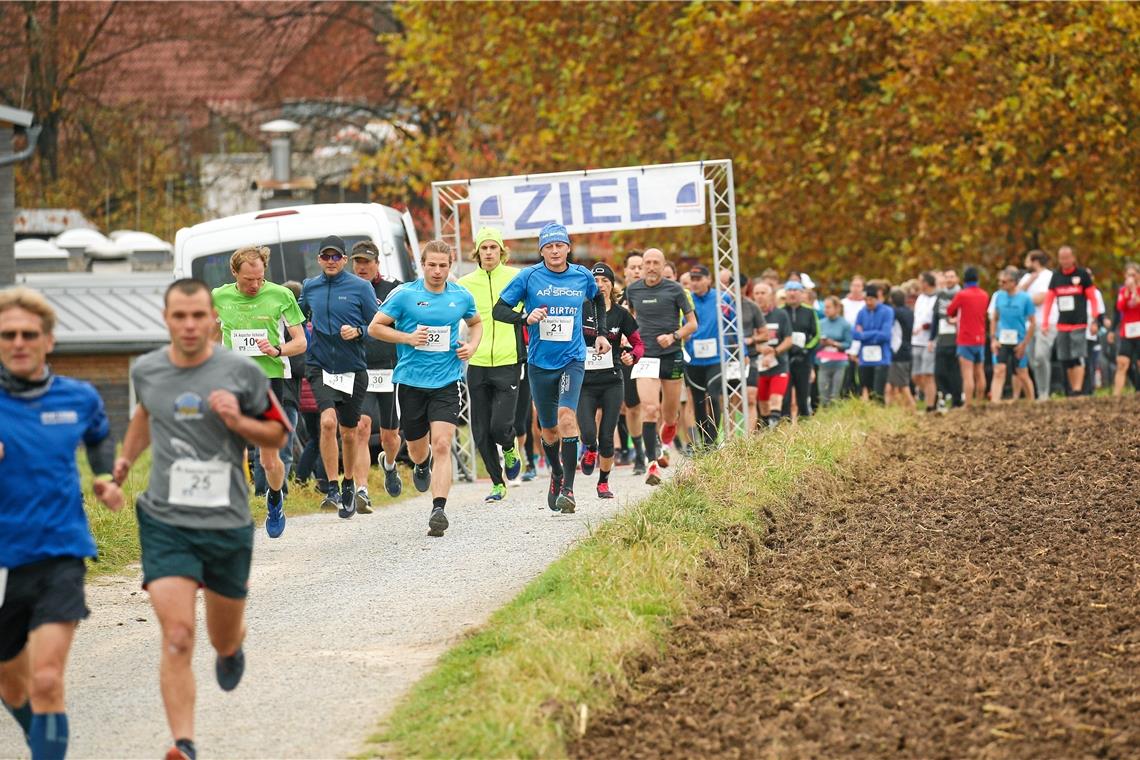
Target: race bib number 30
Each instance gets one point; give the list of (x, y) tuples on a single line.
[(380, 381), (245, 341), (594, 360), (438, 339), (646, 367), (557, 329), (199, 484)]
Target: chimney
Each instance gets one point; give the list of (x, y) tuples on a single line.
[(9, 119), (281, 148)]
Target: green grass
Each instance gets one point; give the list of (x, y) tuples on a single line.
[(117, 534), (516, 687)]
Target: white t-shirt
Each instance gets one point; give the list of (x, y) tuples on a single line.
[(851, 309), (1040, 286), (923, 315)]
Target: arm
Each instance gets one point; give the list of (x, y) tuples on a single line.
[(1094, 304), (474, 335), (1045, 314), (813, 339), (689, 327), (845, 339), (880, 336), (382, 328), (296, 344), (637, 348), (270, 433), (504, 312), (135, 442)]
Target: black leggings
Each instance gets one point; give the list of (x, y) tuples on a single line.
[(704, 384), (947, 373), (607, 397), (799, 379), (494, 393)]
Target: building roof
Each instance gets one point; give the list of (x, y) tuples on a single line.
[(105, 313)]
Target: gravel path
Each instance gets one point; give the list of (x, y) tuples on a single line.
[(343, 617)]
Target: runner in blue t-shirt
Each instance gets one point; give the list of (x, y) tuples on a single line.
[(422, 318), (1012, 322), (552, 293)]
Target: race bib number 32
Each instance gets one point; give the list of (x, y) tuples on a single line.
[(557, 329), (199, 484), (438, 338)]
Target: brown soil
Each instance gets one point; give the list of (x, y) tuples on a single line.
[(972, 590)]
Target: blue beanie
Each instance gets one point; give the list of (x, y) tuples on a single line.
[(553, 233)]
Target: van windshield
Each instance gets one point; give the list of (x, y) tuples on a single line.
[(291, 260)]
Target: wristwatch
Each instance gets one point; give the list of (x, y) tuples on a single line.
[(676, 336)]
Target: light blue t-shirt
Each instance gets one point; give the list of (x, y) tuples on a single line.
[(704, 346), (1013, 312), (412, 305), (557, 340)]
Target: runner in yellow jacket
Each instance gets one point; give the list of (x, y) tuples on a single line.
[(495, 372)]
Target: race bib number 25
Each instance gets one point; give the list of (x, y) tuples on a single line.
[(195, 483)]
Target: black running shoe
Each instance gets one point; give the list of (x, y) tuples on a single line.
[(421, 476), (392, 483), (229, 670), (554, 493), (639, 466), (437, 523), (565, 502), (347, 502)]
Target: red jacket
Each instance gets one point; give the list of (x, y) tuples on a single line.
[(970, 303)]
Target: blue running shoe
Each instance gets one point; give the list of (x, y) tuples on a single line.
[(392, 483), (331, 501), (511, 463), (229, 670), (421, 476), (274, 515), (530, 473), (498, 493)]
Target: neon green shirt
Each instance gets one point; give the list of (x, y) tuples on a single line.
[(259, 316)]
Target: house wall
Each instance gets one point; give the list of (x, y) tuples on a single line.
[(110, 374)]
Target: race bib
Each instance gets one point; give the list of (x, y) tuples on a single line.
[(646, 367), (594, 360), (733, 370), (342, 382), (438, 339), (705, 348), (945, 327), (768, 362), (773, 333), (380, 381), (245, 341), (799, 339), (1007, 337), (1132, 330), (557, 329), (3, 584), (199, 484), (872, 353), (1066, 303)]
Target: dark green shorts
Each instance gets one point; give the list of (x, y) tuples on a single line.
[(218, 559)]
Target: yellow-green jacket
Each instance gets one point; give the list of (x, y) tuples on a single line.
[(502, 343)]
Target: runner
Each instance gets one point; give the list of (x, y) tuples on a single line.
[(423, 318), (340, 306), (380, 401), (969, 307), (1071, 289), (552, 292), (703, 368), (922, 348), (853, 303), (776, 340), (198, 406), (495, 372), (944, 335), (1128, 317), (872, 330), (252, 313), (1035, 283), (805, 340), (602, 386), (1010, 337), (751, 318), (659, 305), (898, 377), (834, 340), (44, 527), (631, 408)]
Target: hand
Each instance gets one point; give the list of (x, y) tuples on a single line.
[(601, 345), (264, 347), (108, 492), (536, 315), (1045, 329), (995, 346), (121, 469), (767, 350), (1019, 352), (627, 359), (418, 337), (930, 347), (225, 405), (859, 329), (665, 340), (465, 351), (348, 332)]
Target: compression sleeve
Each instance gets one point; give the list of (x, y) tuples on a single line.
[(503, 312), (600, 312), (636, 345), (101, 456)]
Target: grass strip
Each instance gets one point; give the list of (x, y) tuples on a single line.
[(517, 686)]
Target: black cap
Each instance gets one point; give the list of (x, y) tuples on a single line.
[(365, 249), (970, 274), (602, 269), (332, 242), (700, 270)]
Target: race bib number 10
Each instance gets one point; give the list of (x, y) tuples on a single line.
[(199, 484), (245, 341)]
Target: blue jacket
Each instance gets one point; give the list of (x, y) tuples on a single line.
[(877, 326), (329, 303), (707, 317), (41, 505)]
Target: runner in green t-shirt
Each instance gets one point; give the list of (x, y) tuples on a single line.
[(251, 314)]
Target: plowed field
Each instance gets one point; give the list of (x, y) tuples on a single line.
[(969, 590)]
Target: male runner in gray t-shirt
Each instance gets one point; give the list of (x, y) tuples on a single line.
[(199, 404)]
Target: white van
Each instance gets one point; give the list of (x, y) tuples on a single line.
[(293, 234)]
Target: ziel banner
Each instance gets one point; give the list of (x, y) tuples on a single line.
[(594, 201)]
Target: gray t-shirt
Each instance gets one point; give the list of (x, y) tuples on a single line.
[(659, 311), (196, 475), (779, 328), (751, 318)]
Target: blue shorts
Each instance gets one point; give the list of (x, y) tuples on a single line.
[(975, 354), (555, 388)]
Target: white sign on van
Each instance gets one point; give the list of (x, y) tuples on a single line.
[(594, 201)]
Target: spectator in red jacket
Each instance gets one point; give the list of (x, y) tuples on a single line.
[(969, 307)]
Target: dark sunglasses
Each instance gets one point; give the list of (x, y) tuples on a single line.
[(27, 335), (331, 256)]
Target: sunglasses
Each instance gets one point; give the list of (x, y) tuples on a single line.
[(27, 335), (331, 256)]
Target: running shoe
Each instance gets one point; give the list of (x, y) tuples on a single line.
[(604, 491), (183, 749), (229, 670), (363, 503), (511, 463), (663, 457), (654, 477), (554, 492), (437, 523), (347, 502), (332, 499), (274, 515), (530, 474), (589, 462), (421, 476), (668, 432), (392, 483), (639, 466), (498, 493), (565, 502)]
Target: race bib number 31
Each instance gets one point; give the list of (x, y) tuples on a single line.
[(438, 339), (557, 329), (342, 382), (199, 484), (245, 341)]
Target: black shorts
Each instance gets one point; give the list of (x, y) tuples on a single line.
[(49, 591), (347, 405), (419, 407), (1129, 348), (217, 558), (381, 407), (631, 398), (672, 366)]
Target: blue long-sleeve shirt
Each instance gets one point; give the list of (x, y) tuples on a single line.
[(330, 302), (873, 330), (838, 330)]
